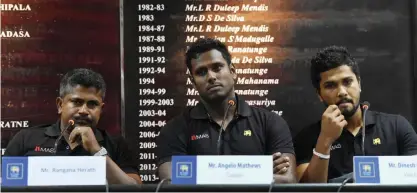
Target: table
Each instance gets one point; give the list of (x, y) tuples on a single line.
[(221, 188)]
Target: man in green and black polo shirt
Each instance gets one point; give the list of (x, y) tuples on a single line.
[(325, 150), (80, 102), (247, 130)]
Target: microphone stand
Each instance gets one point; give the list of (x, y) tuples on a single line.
[(230, 104), (70, 124)]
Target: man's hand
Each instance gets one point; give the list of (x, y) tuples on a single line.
[(332, 124), (86, 137), (281, 163)]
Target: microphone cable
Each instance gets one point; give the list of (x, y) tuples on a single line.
[(365, 109), (344, 183), (230, 104), (107, 185), (160, 184), (70, 124), (271, 185)]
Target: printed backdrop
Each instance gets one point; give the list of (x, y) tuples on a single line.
[(42, 40)]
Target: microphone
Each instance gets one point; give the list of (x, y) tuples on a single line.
[(348, 177), (230, 103), (365, 106), (70, 124)]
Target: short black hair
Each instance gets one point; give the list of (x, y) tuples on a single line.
[(83, 77), (203, 45), (329, 58)]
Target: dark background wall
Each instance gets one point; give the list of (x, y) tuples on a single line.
[(63, 35), (381, 34)]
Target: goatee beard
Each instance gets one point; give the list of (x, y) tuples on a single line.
[(348, 114)]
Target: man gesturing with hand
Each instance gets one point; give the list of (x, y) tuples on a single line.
[(332, 126), (325, 150), (79, 105)]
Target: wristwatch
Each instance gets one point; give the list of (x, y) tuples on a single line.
[(102, 152)]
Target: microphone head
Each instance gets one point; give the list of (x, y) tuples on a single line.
[(366, 105), (71, 122), (231, 102)]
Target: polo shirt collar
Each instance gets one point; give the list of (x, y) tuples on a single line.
[(54, 131), (200, 112)]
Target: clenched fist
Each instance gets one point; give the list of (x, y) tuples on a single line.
[(84, 136), (332, 124)]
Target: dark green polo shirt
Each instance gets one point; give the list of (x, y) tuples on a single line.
[(40, 141), (253, 131)]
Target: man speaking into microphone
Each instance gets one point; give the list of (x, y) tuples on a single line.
[(79, 104), (222, 123), (325, 150)]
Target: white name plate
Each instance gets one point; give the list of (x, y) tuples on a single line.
[(385, 169), (223, 169), (53, 170)]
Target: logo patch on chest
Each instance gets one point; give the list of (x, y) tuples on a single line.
[(44, 149), (201, 136), (247, 133), (337, 146)]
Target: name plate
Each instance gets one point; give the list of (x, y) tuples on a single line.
[(385, 169), (223, 169), (53, 170)]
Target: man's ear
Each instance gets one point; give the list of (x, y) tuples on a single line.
[(59, 102), (233, 71), (360, 85), (102, 108), (318, 95)]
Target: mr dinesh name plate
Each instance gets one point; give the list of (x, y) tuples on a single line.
[(385, 169), (223, 169)]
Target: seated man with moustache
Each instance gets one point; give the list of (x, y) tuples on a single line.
[(79, 105)]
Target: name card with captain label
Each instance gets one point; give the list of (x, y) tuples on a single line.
[(385, 169), (53, 170), (223, 169)]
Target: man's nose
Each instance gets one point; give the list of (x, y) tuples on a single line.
[(211, 76), (342, 91), (83, 109)]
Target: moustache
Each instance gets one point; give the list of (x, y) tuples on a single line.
[(344, 101), (82, 121)]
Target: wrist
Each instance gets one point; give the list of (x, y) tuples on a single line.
[(95, 149), (102, 152), (324, 142), (321, 155), (323, 145)]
